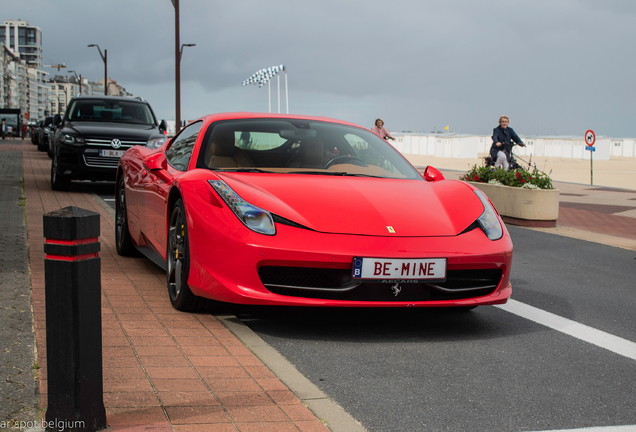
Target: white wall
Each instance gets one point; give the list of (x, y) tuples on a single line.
[(470, 146), (629, 147)]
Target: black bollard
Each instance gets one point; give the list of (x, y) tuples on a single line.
[(73, 321)]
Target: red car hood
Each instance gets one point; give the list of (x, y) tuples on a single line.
[(362, 206)]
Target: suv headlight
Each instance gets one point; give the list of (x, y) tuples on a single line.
[(253, 217), (156, 142), (75, 140), (489, 221)]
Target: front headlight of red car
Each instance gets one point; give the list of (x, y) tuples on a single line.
[(253, 217), (488, 221)]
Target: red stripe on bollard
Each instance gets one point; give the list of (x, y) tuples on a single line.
[(72, 258), (73, 242)]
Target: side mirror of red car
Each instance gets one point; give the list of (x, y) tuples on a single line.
[(158, 165), (432, 174)]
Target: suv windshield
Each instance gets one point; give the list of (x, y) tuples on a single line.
[(301, 147), (111, 111)]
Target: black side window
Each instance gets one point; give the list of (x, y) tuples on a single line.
[(179, 153)]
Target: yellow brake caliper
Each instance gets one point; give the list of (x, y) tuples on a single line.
[(176, 249)]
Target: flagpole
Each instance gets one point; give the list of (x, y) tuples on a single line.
[(269, 97), (278, 81), (286, 93)]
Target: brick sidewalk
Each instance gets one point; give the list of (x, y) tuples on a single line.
[(164, 370), (18, 399)]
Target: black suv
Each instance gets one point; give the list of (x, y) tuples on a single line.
[(95, 132)]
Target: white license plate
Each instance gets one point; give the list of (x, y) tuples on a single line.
[(393, 269), (112, 153)]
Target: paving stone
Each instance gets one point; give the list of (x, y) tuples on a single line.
[(18, 397)]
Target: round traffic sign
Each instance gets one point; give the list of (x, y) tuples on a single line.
[(590, 138)]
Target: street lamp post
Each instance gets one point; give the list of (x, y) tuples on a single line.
[(178, 52), (79, 80), (105, 59), (177, 66), (178, 83)]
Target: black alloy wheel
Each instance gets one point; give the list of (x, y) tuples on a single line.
[(58, 182), (123, 240), (178, 260)]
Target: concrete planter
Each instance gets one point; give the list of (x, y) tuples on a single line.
[(526, 207)]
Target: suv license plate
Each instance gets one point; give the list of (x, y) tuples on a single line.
[(112, 153), (386, 268)]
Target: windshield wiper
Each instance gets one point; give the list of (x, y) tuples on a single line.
[(329, 173), (334, 173), (363, 175), (241, 170)]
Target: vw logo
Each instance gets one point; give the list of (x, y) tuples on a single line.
[(115, 143)]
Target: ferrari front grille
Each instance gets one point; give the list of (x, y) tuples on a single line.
[(470, 280), (337, 284), (307, 278)]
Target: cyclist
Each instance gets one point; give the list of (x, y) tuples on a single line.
[(503, 139)]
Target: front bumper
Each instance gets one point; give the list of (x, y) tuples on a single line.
[(236, 266), (85, 163)]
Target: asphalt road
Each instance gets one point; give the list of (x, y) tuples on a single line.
[(486, 369)]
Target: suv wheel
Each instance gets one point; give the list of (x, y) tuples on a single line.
[(58, 182)]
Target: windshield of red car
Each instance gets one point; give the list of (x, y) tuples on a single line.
[(110, 111), (300, 147)]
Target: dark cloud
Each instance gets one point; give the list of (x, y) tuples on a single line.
[(562, 66)]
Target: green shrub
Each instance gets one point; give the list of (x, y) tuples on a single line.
[(516, 178)]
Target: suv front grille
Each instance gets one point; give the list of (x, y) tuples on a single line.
[(106, 143), (101, 161)]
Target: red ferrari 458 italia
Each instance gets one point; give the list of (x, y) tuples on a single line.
[(268, 209)]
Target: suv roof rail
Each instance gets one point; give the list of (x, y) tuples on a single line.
[(139, 98)]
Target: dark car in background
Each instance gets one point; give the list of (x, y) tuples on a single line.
[(95, 132), (43, 133), (35, 134), (53, 130)]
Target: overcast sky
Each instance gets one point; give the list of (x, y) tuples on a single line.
[(553, 66)]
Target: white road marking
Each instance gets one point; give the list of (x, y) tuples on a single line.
[(628, 428), (599, 338)]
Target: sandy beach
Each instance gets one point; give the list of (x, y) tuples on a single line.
[(618, 172)]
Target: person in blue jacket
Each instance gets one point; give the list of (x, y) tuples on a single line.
[(503, 139)]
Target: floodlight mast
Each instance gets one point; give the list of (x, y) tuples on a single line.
[(105, 59), (79, 80)]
